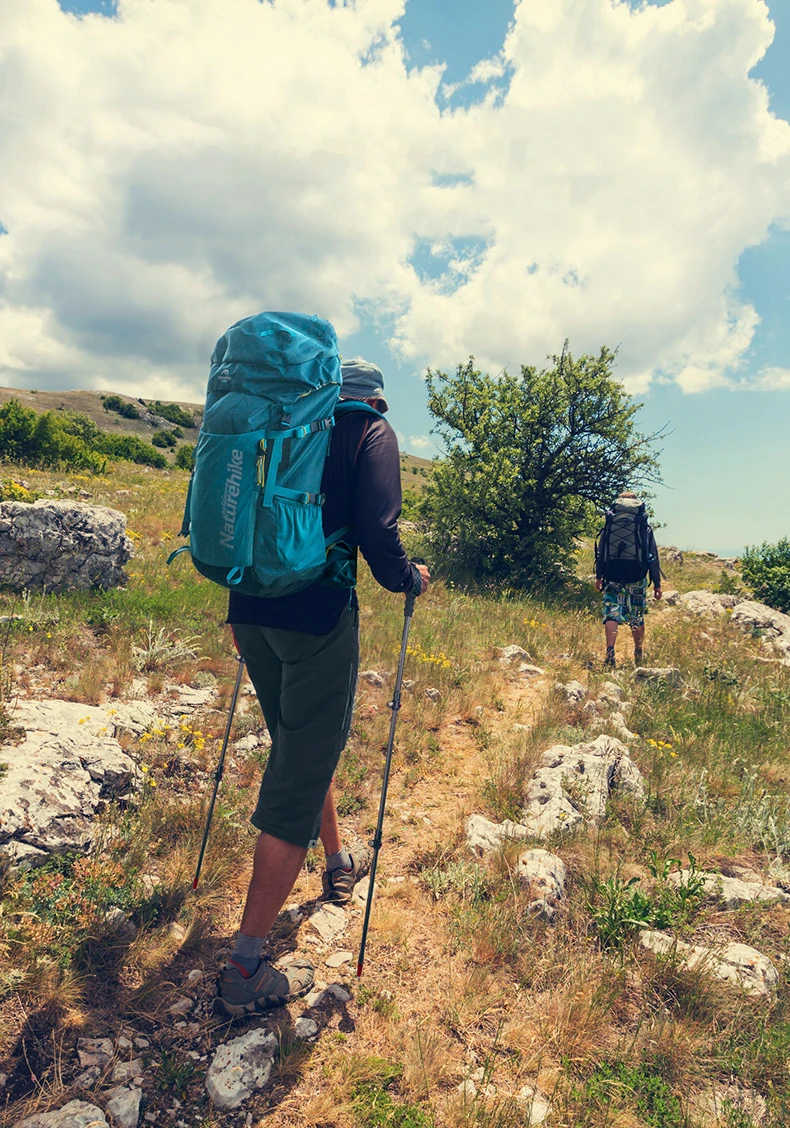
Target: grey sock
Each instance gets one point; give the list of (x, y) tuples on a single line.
[(247, 951), (340, 860)]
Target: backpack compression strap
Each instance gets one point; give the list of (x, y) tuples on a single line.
[(272, 444)]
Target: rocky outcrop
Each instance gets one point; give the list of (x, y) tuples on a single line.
[(573, 785), (670, 675), (772, 625), (707, 602), (742, 966), (483, 835), (732, 892), (62, 546), (69, 762), (75, 1114)]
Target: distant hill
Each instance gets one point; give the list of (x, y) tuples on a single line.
[(415, 471)]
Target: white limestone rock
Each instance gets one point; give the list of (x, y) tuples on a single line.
[(510, 654), (58, 546), (573, 691), (669, 674), (94, 1051), (526, 670), (68, 763), (123, 1105), (707, 603), (545, 874), (305, 1029), (239, 1067), (535, 1104), (573, 784), (739, 964), (733, 892), (75, 1114), (372, 677), (126, 1070), (329, 921), (483, 835), (773, 625)]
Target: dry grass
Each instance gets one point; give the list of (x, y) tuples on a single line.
[(459, 976)]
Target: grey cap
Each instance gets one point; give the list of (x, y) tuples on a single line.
[(362, 380)]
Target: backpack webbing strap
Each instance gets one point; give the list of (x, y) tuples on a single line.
[(300, 495)]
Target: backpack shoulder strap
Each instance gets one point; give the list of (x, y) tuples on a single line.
[(345, 407)]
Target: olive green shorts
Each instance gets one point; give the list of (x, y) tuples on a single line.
[(305, 685)]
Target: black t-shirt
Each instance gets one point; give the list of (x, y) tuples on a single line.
[(362, 486)]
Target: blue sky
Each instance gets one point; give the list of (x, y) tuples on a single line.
[(437, 265)]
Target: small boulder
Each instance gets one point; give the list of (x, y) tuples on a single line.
[(573, 691), (373, 677), (126, 1070), (732, 892), (510, 654), (739, 964), (482, 835), (433, 694), (75, 1114), (305, 1029), (239, 1067), (544, 872), (708, 603), (94, 1051), (123, 1105), (329, 921), (668, 674), (528, 671), (57, 546)]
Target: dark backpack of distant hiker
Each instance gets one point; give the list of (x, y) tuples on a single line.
[(254, 508), (622, 550)]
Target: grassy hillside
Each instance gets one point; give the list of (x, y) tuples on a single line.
[(463, 985)]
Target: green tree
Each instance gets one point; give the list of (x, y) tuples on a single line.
[(530, 460), (766, 570), (185, 456)]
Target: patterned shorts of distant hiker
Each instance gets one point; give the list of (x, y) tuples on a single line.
[(625, 604)]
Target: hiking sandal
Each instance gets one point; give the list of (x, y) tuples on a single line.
[(338, 885), (266, 988)]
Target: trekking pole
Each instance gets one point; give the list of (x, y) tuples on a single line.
[(376, 843), (220, 767)]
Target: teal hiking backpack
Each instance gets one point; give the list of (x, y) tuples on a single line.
[(253, 510)]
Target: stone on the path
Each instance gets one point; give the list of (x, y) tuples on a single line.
[(94, 1051), (612, 689), (738, 964), (545, 873), (182, 1005), (707, 602), (58, 546), (483, 835), (126, 1070), (239, 1067), (573, 691), (123, 1105), (528, 671), (88, 1078), (732, 892), (510, 654), (337, 959), (372, 677), (305, 1029), (535, 1104), (69, 763), (573, 784), (671, 597), (321, 995), (75, 1114), (360, 895), (668, 674), (329, 921), (247, 743), (433, 694)]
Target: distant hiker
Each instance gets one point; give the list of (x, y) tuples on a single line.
[(302, 655), (625, 556)]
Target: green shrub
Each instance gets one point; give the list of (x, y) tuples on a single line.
[(13, 491), (639, 1087), (172, 413), (766, 570), (43, 440), (163, 439), (185, 456), (121, 406)]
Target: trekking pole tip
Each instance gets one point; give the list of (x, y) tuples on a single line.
[(359, 970), (194, 883)]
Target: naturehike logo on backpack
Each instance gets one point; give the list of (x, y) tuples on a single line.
[(230, 498)]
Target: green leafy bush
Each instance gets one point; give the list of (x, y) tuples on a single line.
[(121, 406), (766, 570), (172, 413), (185, 456), (163, 439), (67, 439), (639, 1087), (620, 909)]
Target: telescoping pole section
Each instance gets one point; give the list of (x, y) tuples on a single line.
[(376, 843), (220, 767)]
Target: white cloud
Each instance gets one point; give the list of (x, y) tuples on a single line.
[(773, 380), (193, 161), (421, 443)]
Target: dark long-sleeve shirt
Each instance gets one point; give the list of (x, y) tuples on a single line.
[(361, 483)]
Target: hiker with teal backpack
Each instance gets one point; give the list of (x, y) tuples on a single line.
[(626, 556), (296, 469)]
